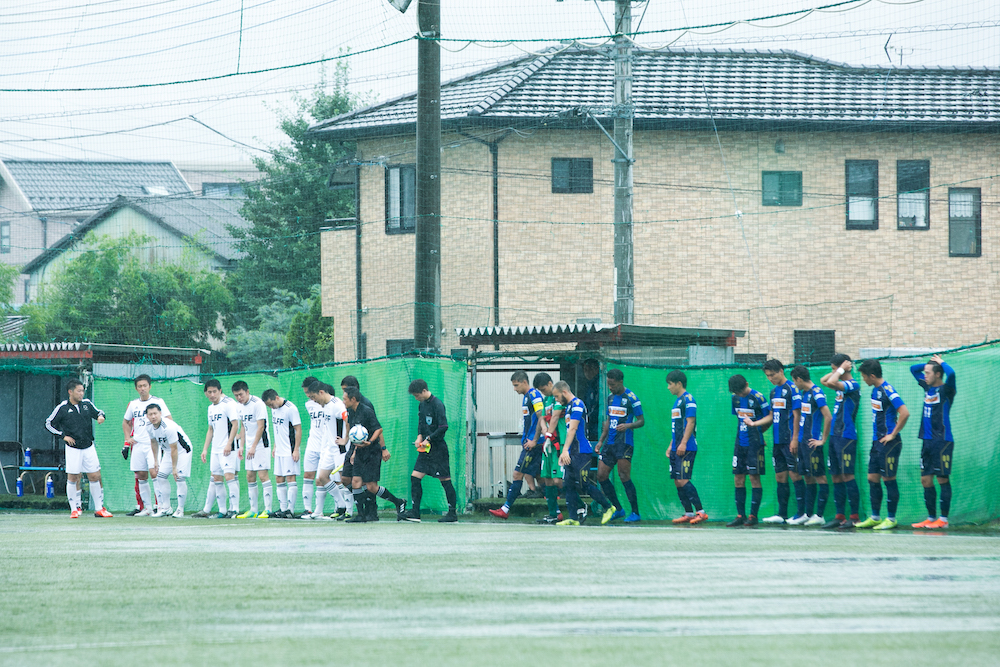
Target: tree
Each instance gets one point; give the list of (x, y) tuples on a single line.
[(108, 294), (310, 336), (289, 205), (264, 347)]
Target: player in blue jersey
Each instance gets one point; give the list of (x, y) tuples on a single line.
[(843, 441), (937, 379), (786, 407), (812, 437), (530, 461), (889, 415), (615, 446), (750, 406), (683, 447), (577, 452)]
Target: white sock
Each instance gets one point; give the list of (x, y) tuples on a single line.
[(292, 490), (162, 487), (71, 490), (267, 496), (182, 492), (234, 495), (308, 487), (282, 496), (97, 493), (220, 495), (252, 490), (320, 499), (144, 493), (210, 498)]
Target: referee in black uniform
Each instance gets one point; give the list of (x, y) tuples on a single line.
[(432, 458)]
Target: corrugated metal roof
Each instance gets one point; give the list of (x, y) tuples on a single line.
[(675, 85), (604, 333), (75, 184)]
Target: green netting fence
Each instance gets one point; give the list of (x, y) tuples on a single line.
[(975, 423), (383, 382)]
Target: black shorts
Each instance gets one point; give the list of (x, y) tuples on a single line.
[(530, 461), (884, 459), (783, 460), (843, 454), (935, 458), (812, 463), (681, 467), (368, 463), (749, 460), (614, 452), (434, 463), (348, 470)]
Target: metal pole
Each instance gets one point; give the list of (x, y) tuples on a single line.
[(623, 114), (427, 259)]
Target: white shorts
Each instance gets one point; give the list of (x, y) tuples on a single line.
[(331, 458), (284, 466), (141, 458), (223, 465), (183, 462), (311, 462), (261, 459), (81, 460)]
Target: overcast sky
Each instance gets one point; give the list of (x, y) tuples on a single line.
[(140, 45)]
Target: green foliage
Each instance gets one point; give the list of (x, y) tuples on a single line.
[(264, 347), (8, 279), (310, 336), (108, 294)]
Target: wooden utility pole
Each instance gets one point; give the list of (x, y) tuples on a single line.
[(623, 114)]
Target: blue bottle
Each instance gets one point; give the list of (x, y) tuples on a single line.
[(20, 487), (27, 458), (50, 490)]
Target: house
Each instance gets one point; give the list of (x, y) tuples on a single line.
[(175, 224), (218, 179), (43, 200), (817, 206)]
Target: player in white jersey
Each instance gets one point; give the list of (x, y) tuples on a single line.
[(144, 458), (331, 458), (314, 446), (287, 438), (257, 448), (223, 425), (175, 458)]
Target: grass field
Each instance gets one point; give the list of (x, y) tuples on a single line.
[(189, 591)]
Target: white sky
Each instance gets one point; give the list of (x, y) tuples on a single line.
[(46, 44)]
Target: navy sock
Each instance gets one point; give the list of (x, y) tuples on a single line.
[(945, 499), (513, 492), (595, 492), (810, 499), (875, 493), (693, 496), (416, 493), (891, 497), (633, 497), (741, 501), (800, 497), (685, 500), (783, 494), (930, 500), (853, 496), (756, 495), (609, 490), (385, 494), (840, 498), (821, 498), (449, 494)]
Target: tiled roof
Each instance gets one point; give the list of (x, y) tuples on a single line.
[(671, 87), (64, 184)]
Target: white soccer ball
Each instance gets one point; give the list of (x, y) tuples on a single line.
[(358, 433)]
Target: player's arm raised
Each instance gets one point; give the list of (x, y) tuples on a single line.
[(832, 379)]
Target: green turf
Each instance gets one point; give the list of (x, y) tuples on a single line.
[(291, 592)]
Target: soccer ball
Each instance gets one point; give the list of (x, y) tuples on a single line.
[(358, 433)]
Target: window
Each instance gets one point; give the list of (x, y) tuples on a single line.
[(222, 189), (4, 237), (572, 175), (782, 188), (913, 202), (400, 199), (815, 347), (862, 194), (398, 346), (964, 222)]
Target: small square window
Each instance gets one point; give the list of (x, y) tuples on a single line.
[(913, 201), (400, 199), (862, 194), (218, 190), (396, 347), (814, 347), (964, 222), (572, 175), (782, 188)]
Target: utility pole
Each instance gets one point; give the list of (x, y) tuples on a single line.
[(427, 256), (623, 114)]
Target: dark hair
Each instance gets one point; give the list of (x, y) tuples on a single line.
[(737, 384), (350, 381), (142, 377), (801, 373), (269, 395), (678, 376), (773, 365), (352, 393), (317, 387), (73, 384), (308, 382), (519, 376), (616, 375), (592, 363), (936, 367), (417, 387), (212, 382), (541, 379), (839, 358), (871, 367), (152, 405), (240, 385)]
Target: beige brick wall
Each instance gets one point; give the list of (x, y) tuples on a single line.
[(776, 270)]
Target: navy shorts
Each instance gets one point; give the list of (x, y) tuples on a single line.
[(812, 463), (530, 461), (749, 460), (434, 463), (935, 458), (843, 453), (614, 452), (681, 467), (348, 470), (368, 463), (783, 460), (884, 459)]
